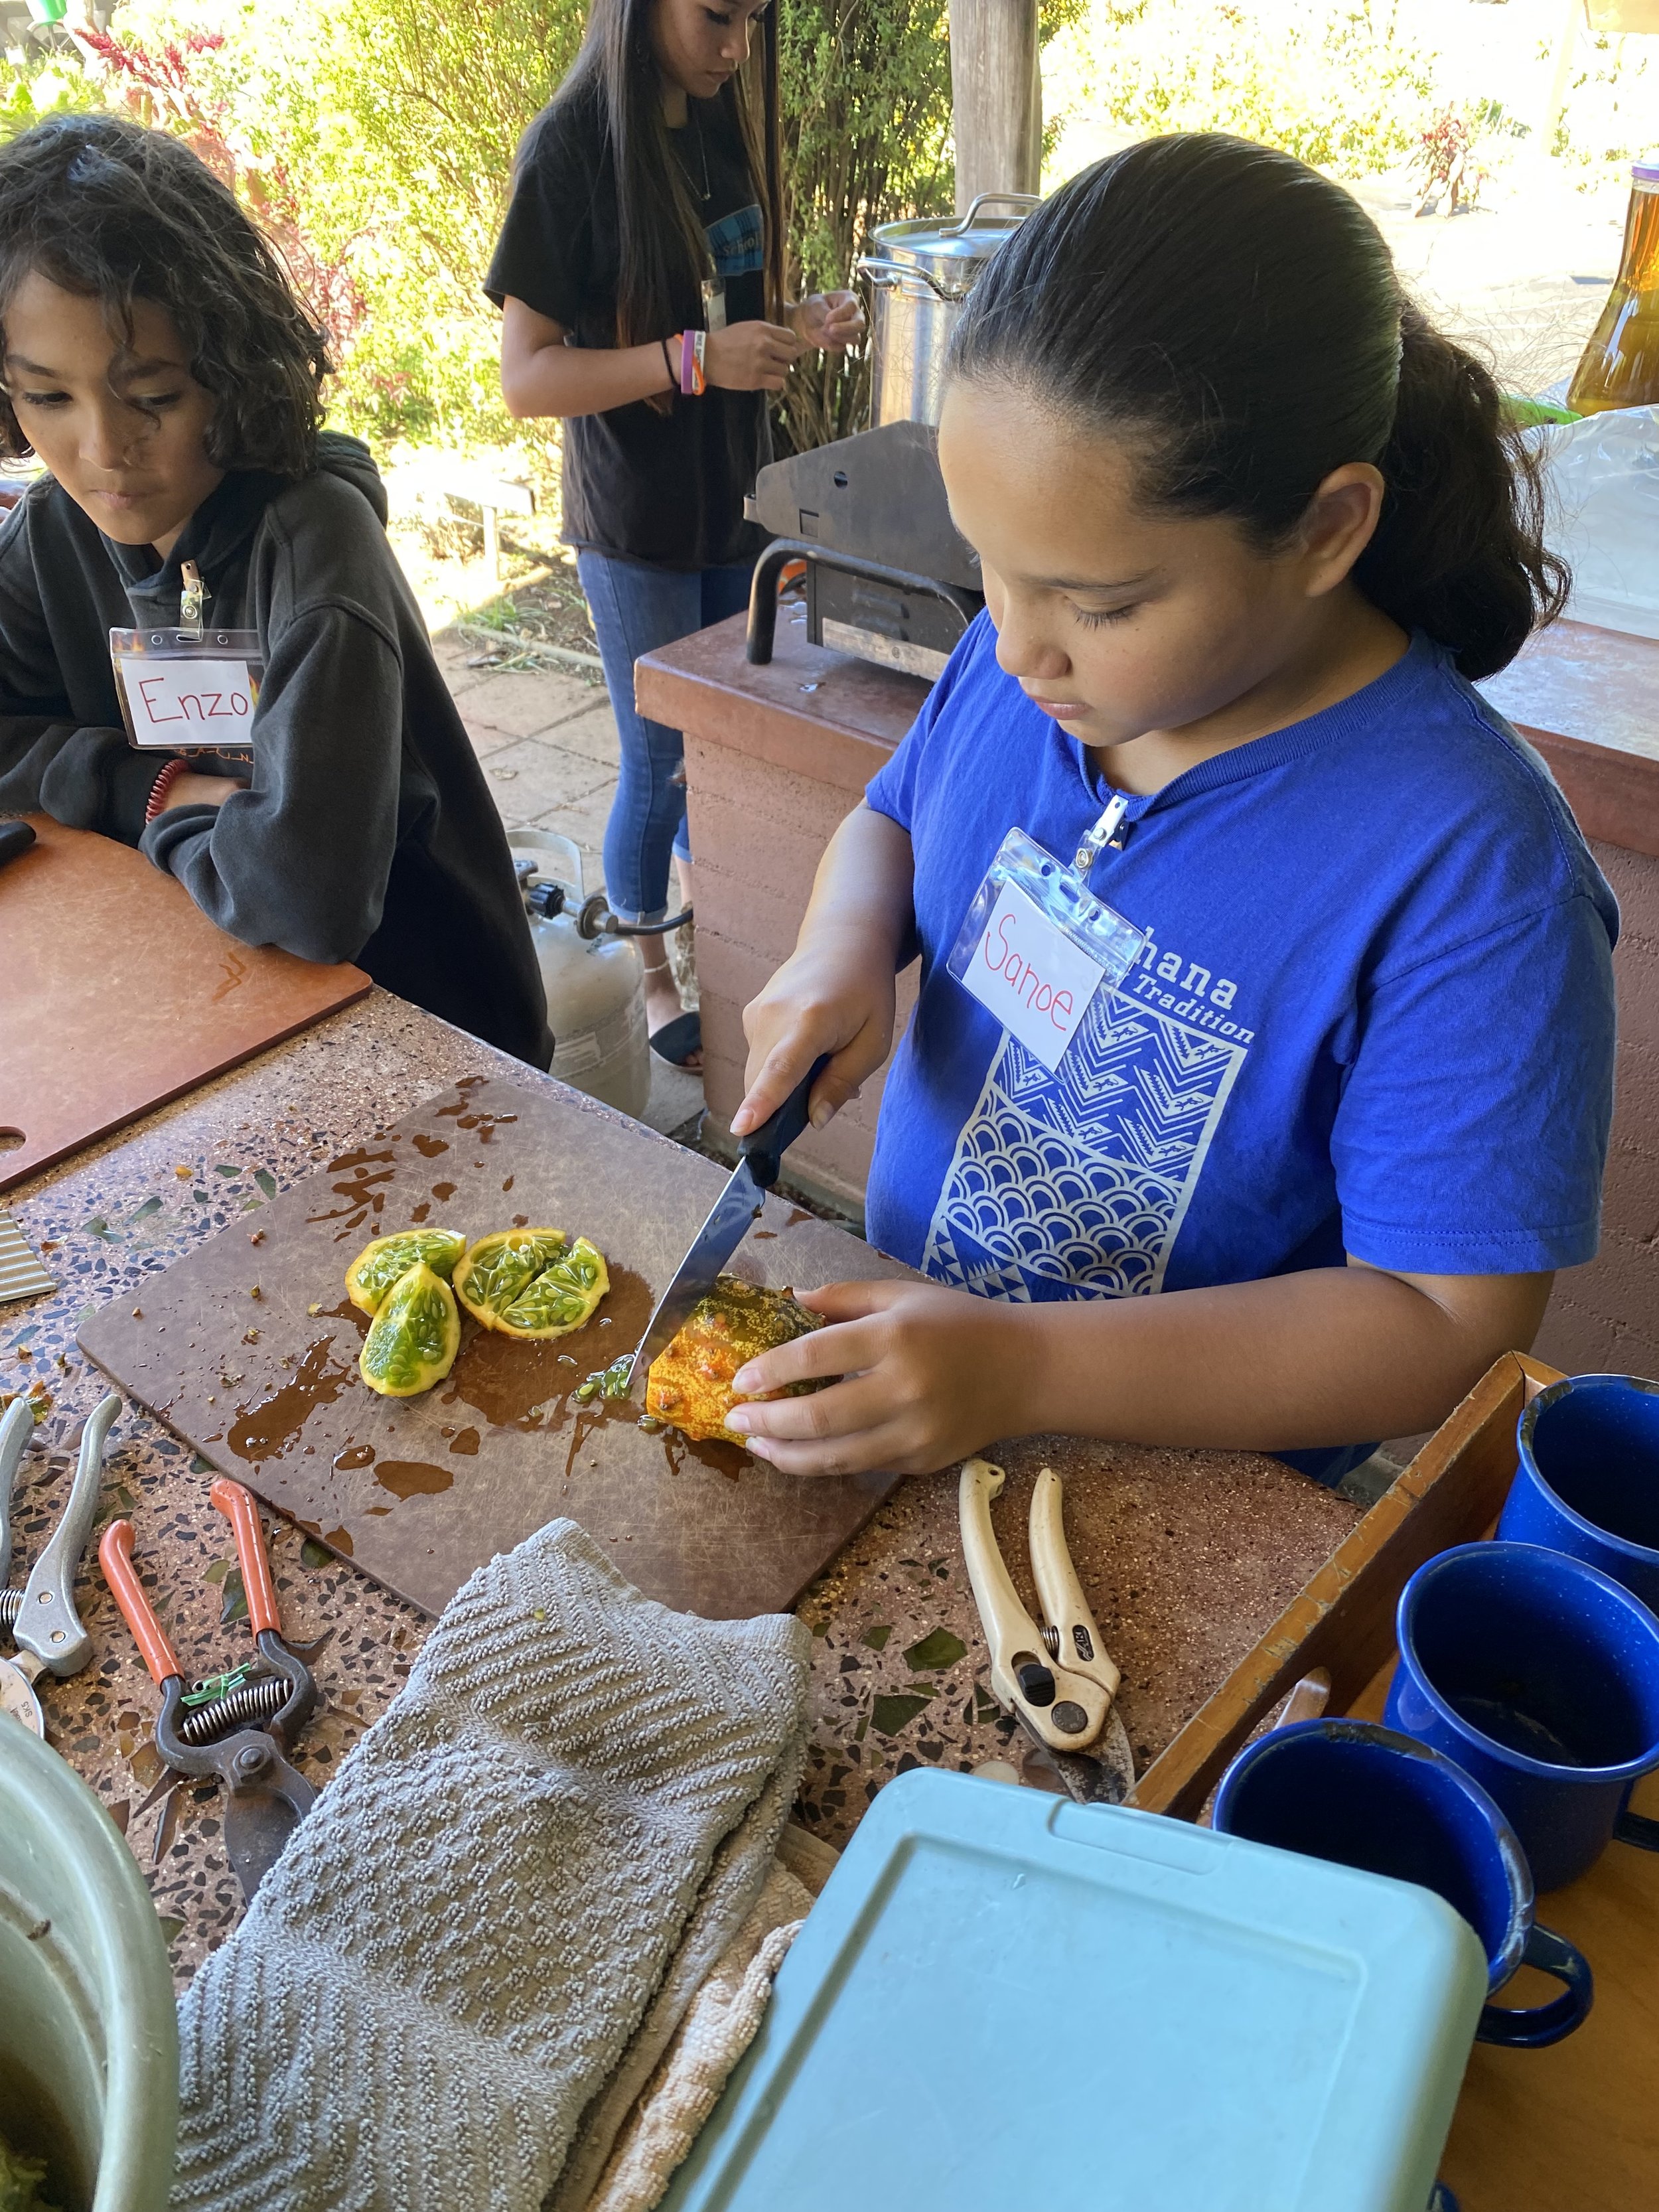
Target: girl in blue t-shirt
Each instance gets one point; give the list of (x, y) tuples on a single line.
[(1247, 526)]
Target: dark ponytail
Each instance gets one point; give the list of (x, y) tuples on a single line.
[(1238, 316)]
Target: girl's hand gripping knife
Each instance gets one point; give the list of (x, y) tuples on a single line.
[(267, 1798), (1058, 1680)]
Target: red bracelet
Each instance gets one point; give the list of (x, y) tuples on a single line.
[(171, 772)]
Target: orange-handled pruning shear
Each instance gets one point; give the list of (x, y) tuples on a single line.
[(267, 1799)]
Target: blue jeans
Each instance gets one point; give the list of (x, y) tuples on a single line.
[(636, 608)]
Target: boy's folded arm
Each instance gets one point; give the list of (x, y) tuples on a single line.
[(85, 776), (301, 858), (87, 779)]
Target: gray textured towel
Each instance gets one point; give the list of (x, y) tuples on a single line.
[(447, 1968)]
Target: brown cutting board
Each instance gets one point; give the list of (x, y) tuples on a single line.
[(420, 1491), (117, 994)]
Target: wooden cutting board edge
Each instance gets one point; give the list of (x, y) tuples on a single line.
[(32, 1164), (28, 1160)]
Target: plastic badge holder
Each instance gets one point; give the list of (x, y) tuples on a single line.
[(188, 691), (1106, 940), (1004, 2000)]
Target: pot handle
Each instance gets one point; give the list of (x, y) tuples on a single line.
[(1026, 201), (891, 275)]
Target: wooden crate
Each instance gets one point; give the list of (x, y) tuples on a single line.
[(1343, 1621), (1573, 2128)]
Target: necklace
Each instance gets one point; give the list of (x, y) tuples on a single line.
[(703, 152)]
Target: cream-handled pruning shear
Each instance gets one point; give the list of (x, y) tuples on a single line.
[(1058, 1681)]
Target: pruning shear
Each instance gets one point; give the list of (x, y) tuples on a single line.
[(1058, 1681), (267, 1798), (41, 1617)]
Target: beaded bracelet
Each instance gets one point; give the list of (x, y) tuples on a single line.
[(171, 772)]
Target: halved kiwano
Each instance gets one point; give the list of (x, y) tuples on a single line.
[(413, 1341), (378, 1265), (690, 1384), (499, 1268), (561, 1298)]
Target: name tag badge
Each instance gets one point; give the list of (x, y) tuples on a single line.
[(1038, 945), (183, 692)]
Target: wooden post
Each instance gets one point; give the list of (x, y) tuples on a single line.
[(996, 91)]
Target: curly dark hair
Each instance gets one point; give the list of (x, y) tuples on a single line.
[(102, 208)]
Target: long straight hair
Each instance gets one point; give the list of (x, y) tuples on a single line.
[(664, 252)]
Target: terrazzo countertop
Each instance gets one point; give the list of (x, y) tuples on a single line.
[(1186, 1557)]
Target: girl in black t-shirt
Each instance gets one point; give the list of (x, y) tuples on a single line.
[(645, 206)]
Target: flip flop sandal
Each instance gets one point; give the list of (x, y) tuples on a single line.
[(675, 1040)]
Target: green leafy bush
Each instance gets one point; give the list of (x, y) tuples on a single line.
[(1344, 87), (867, 99)]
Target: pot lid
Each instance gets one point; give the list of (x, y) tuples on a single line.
[(934, 241), (956, 242)]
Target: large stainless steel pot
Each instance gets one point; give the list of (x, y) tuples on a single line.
[(919, 275)]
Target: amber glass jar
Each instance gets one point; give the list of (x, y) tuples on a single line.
[(1620, 367)]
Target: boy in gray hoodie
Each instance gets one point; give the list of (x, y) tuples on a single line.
[(157, 363)]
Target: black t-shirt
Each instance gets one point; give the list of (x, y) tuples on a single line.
[(664, 488)]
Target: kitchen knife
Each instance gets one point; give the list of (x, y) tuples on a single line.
[(735, 1213)]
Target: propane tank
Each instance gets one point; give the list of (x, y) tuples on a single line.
[(595, 981)]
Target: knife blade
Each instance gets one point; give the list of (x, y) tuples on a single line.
[(734, 1215)]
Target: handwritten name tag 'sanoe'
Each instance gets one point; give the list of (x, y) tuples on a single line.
[(192, 702), (1032, 975)]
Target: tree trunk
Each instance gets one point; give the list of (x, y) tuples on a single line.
[(997, 92)]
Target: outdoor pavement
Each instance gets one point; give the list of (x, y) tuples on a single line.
[(1524, 274), (548, 743)]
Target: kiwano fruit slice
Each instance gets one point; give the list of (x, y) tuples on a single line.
[(561, 1298), (497, 1268), (412, 1341), (690, 1385), (378, 1265)]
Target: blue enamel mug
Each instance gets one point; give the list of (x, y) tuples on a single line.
[(1589, 1482), (1368, 1797), (1539, 1676)]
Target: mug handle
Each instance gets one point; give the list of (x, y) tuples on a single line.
[(1636, 1827), (1538, 2024)]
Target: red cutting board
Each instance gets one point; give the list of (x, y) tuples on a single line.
[(420, 1491), (117, 994)]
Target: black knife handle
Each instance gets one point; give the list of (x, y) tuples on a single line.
[(15, 837), (764, 1148)]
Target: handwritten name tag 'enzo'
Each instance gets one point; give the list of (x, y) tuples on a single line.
[(192, 702), (182, 693), (1032, 975)]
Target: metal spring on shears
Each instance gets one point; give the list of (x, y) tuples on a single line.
[(252, 1705), (11, 1604), (1051, 1642)]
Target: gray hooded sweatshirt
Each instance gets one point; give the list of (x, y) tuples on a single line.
[(368, 832)]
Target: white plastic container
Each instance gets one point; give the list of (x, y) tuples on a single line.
[(595, 985)]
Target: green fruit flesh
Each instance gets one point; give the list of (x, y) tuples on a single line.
[(381, 1264), (563, 1296), (496, 1271), (413, 1339)]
